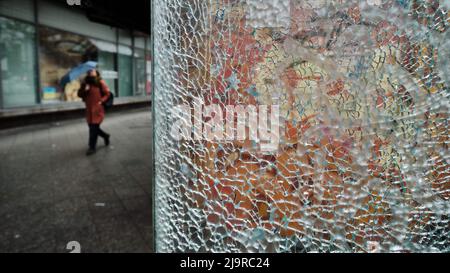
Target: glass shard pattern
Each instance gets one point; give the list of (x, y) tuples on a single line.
[(356, 157)]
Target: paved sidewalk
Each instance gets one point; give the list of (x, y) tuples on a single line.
[(51, 193)]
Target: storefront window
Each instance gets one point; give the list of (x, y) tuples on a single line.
[(59, 53), (106, 66), (125, 72), (148, 62), (17, 62), (140, 64), (148, 59)]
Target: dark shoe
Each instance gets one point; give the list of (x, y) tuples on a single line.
[(90, 152), (107, 140)]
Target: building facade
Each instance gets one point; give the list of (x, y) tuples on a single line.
[(41, 40)]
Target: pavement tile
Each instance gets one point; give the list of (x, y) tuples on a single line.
[(51, 193)]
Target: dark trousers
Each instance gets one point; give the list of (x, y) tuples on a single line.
[(94, 132)]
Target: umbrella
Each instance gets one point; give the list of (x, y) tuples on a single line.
[(76, 72)]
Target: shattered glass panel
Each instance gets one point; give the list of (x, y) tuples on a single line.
[(301, 125)]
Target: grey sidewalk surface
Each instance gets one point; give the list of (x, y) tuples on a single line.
[(52, 194)]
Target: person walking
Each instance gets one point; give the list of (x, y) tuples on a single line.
[(94, 92)]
